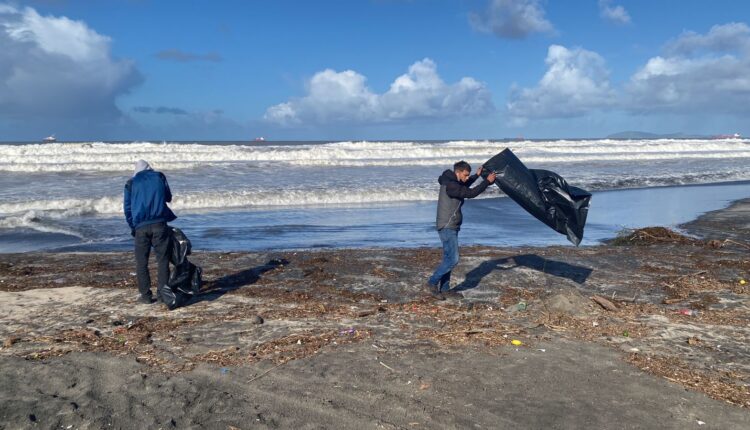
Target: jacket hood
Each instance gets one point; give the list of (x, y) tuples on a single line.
[(140, 166), (447, 176)]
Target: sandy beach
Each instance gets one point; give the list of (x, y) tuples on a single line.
[(346, 338), (317, 160)]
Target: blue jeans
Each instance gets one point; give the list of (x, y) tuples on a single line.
[(442, 276)]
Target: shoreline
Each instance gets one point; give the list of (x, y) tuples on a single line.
[(495, 222), (349, 339)]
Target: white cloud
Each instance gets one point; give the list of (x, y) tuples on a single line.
[(576, 82), (698, 73), (514, 19), (732, 37), (54, 68), (335, 97), (616, 14)]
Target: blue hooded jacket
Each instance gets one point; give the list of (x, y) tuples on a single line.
[(146, 197)]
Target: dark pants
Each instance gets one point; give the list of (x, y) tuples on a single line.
[(442, 276), (156, 236)]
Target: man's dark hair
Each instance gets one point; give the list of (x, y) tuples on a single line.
[(462, 166)]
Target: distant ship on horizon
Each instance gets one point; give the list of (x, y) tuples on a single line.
[(260, 139), (49, 139)]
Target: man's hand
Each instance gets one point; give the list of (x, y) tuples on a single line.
[(479, 171), (491, 178)]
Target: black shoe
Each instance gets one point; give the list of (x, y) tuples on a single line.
[(146, 300), (452, 294), (433, 291)]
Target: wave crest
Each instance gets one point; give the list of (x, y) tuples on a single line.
[(116, 157)]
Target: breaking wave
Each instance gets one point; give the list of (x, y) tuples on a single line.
[(107, 206), (23, 213), (115, 157), (38, 221)]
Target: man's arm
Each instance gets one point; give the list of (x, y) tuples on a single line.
[(458, 191), (167, 191), (126, 205)]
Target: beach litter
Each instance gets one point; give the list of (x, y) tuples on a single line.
[(516, 342), (387, 366), (347, 331), (688, 312), (521, 306)]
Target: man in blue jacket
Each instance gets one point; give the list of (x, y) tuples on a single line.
[(454, 188), (145, 204)]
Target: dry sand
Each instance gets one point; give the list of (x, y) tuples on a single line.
[(347, 339)]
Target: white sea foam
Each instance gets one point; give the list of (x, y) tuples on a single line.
[(214, 178), (114, 157), (26, 212), (65, 208), (109, 206), (35, 221)]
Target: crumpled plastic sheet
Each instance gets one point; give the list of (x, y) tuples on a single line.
[(544, 194)]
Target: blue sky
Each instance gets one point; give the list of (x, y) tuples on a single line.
[(371, 69)]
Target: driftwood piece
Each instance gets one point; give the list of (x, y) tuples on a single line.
[(366, 312), (737, 243), (606, 304)]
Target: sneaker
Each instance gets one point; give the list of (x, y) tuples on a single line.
[(146, 300), (433, 291), (452, 294)]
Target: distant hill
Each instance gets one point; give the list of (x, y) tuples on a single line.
[(645, 135)]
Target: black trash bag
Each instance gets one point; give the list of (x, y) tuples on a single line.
[(171, 297), (185, 278), (543, 194)]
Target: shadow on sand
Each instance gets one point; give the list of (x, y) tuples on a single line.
[(217, 288), (577, 274)]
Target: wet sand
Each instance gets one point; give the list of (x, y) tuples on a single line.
[(347, 338)]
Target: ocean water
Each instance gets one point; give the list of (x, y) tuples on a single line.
[(285, 195)]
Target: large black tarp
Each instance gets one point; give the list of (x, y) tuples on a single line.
[(544, 194)]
